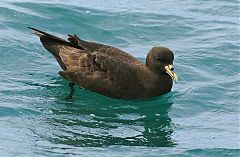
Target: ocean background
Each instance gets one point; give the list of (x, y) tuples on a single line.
[(200, 117)]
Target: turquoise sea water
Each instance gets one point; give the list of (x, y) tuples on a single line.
[(200, 117)]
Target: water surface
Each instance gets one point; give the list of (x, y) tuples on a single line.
[(200, 117)]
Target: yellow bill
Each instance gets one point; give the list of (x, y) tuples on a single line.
[(170, 72)]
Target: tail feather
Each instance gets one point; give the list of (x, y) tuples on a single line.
[(42, 34), (54, 44), (58, 46)]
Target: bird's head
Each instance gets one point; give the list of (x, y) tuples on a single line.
[(160, 60)]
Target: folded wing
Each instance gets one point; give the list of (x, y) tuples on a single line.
[(102, 73)]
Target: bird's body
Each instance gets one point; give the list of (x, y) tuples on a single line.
[(105, 69)]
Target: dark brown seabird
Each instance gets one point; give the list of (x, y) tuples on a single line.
[(110, 71)]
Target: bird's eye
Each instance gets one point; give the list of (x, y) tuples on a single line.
[(172, 69), (158, 59)]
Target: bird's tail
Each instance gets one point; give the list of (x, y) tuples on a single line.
[(48, 36), (54, 44), (40, 33)]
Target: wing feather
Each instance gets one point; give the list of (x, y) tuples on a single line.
[(102, 73)]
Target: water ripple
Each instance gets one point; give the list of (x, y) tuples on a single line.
[(196, 118)]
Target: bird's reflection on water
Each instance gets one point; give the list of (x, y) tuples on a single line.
[(94, 120)]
